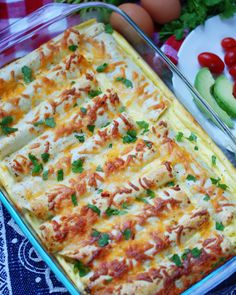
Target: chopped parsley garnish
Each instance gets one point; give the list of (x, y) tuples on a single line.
[(37, 166), (130, 137), (72, 82), (124, 205), (125, 81), (220, 261), (206, 198), (109, 280), (176, 259), (83, 110), (127, 233), (185, 254), (196, 148), (45, 175), (150, 193), (77, 166), (94, 208), (74, 199), (38, 123), (60, 175), (179, 136), (27, 74), (99, 191), (148, 143), (4, 125), (219, 226), (191, 178), (72, 47), (103, 240), (192, 137), (110, 146), (170, 183), (122, 109), (196, 252), (213, 160), (102, 68), (112, 211), (99, 168), (217, 182), (222, 186), (91, 128), (105, 125), (50, 122), (108, 29), (143, 125), (45, 157), (94, 93), (80, 138), (95, 233), (81, 268), (142, 199)]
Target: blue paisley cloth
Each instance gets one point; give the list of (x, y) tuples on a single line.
[(23, 272)]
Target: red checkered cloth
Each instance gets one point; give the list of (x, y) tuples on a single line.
[(13, 10)]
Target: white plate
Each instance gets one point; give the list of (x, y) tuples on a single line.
[(206, 37)]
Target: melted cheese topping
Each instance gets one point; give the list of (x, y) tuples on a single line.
[(117, 179)]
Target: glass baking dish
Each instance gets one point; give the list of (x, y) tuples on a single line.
[(49, 21)]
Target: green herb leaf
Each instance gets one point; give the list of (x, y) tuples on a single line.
[(102, 68), (7, 121), (108, 29), (74, 199), (185, 254), (170, 183), (80, 138), (77, 166), (38, 123), (60, 175), (192, 137), (4, 125), (112, 211), (50, 122), (143, 125), (45, 175), (83, 110), (94, 93), (130, 137), (191, 178), (99, 168), (95, 209), (219, 226), (72, 47), (110, 146), (45, 157), (127, 233), (222, 186), (99, 191), (176, 259), (103, 240), (196, 252), (142, 199), (206, 198), (196, 148), (8, 130), (148, 143), (81, 268), (107, 124), (27, 74), (95, 233), (124, 205), (150, 193), (37, 166), (179, 136), (91, 128), (122, 109), (215, 180), (213, 160), (125, 81)]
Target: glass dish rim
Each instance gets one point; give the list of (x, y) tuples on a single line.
[(202, 286)]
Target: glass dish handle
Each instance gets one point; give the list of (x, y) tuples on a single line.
[(21, 29)]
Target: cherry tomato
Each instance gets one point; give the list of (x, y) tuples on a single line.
[(211, 61), (228, 43), (230, 57), (234, 90), (232, 71)]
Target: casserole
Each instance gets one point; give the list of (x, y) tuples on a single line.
[(23, 166)]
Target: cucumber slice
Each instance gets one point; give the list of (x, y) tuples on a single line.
[(223, 92), (204, 83)]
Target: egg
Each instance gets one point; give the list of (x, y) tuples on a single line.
[(138, 14), (162, 11)]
